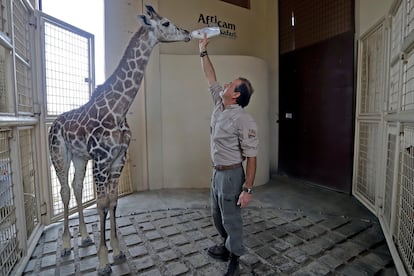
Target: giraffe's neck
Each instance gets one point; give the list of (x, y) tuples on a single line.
[(119, 90)]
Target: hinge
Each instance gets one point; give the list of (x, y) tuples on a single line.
[(33, 22), (36, 109), (43, 209), (404, 57)]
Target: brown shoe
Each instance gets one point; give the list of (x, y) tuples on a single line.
[(219, 252)]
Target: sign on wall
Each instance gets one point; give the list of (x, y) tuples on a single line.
[(240, 3), (227, 29)]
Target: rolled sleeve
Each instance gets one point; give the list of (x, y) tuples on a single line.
[(249, 140), (215, 90)]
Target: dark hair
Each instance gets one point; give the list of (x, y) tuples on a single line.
[(246, 90)]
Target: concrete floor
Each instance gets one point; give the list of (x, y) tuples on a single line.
[(290, 228)]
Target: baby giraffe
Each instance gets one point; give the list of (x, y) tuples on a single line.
[(98, 131)]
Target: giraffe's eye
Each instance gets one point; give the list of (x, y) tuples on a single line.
[(166, 24)]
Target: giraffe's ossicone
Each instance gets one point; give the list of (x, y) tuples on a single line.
[(98, 131)]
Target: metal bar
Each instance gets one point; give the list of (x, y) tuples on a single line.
[(10, 121)]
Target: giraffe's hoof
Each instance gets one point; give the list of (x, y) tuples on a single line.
[(119, 259), (106, 271), (86, 242), (65, 252)]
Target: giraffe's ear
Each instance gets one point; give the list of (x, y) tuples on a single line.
[(144, 20), (151, 12)]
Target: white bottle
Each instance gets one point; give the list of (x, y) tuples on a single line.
[(209, 31)]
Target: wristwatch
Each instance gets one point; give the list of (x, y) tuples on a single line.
[(247, 190), (203, 53)]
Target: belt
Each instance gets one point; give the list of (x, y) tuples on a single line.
[(225, 168)]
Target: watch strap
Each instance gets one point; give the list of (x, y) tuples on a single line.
[(247, 190)]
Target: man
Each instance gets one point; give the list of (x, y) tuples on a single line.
[(233, 139)]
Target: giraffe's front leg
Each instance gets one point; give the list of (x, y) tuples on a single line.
[(104, 268), (112, 190)]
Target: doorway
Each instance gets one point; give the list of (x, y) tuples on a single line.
[(316, 98)]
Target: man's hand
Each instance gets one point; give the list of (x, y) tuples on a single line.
[(244, 199), (202, 43)]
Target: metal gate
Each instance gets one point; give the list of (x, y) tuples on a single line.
[(19, 186), (68, 81), (45, 69), (384, 141)]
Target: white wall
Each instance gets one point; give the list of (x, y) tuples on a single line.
[(186, 112)]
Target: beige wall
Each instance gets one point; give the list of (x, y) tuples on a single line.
[(120, 23), (250, 25), (186, 112), (153, 156), (368, 13), (257, 36)]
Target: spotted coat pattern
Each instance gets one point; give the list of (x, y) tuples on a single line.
[(98, 131)]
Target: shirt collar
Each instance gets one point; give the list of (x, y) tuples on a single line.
[(233, 106)]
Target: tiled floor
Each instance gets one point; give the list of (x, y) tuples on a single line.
[(291, 228)]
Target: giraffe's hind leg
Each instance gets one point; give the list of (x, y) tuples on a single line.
[(61, 157), (77, 185), (66, 236)]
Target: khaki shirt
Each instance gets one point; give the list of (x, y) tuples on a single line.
[(233, 132)]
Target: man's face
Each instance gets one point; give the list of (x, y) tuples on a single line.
[(228, 93)]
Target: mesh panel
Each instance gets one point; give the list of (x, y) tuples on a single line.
[(405, 237), (389, 174), (315, 21), (21, 30), (372, 75), (367, 155), (24, 87), (5, 96), (396, 33), (67, 68), (22, 47), (28, 176), (410, 17), (4, 20), (66, 54), (9, 250), (393, 96), (408, 92)]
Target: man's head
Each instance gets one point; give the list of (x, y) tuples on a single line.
[(238, 92), (246, 90)]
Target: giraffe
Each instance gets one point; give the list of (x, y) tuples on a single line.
[(98, 131)]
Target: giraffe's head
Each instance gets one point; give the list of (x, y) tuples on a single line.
[(162, 28)]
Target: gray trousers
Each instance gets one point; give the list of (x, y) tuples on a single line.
[(226, 187)]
